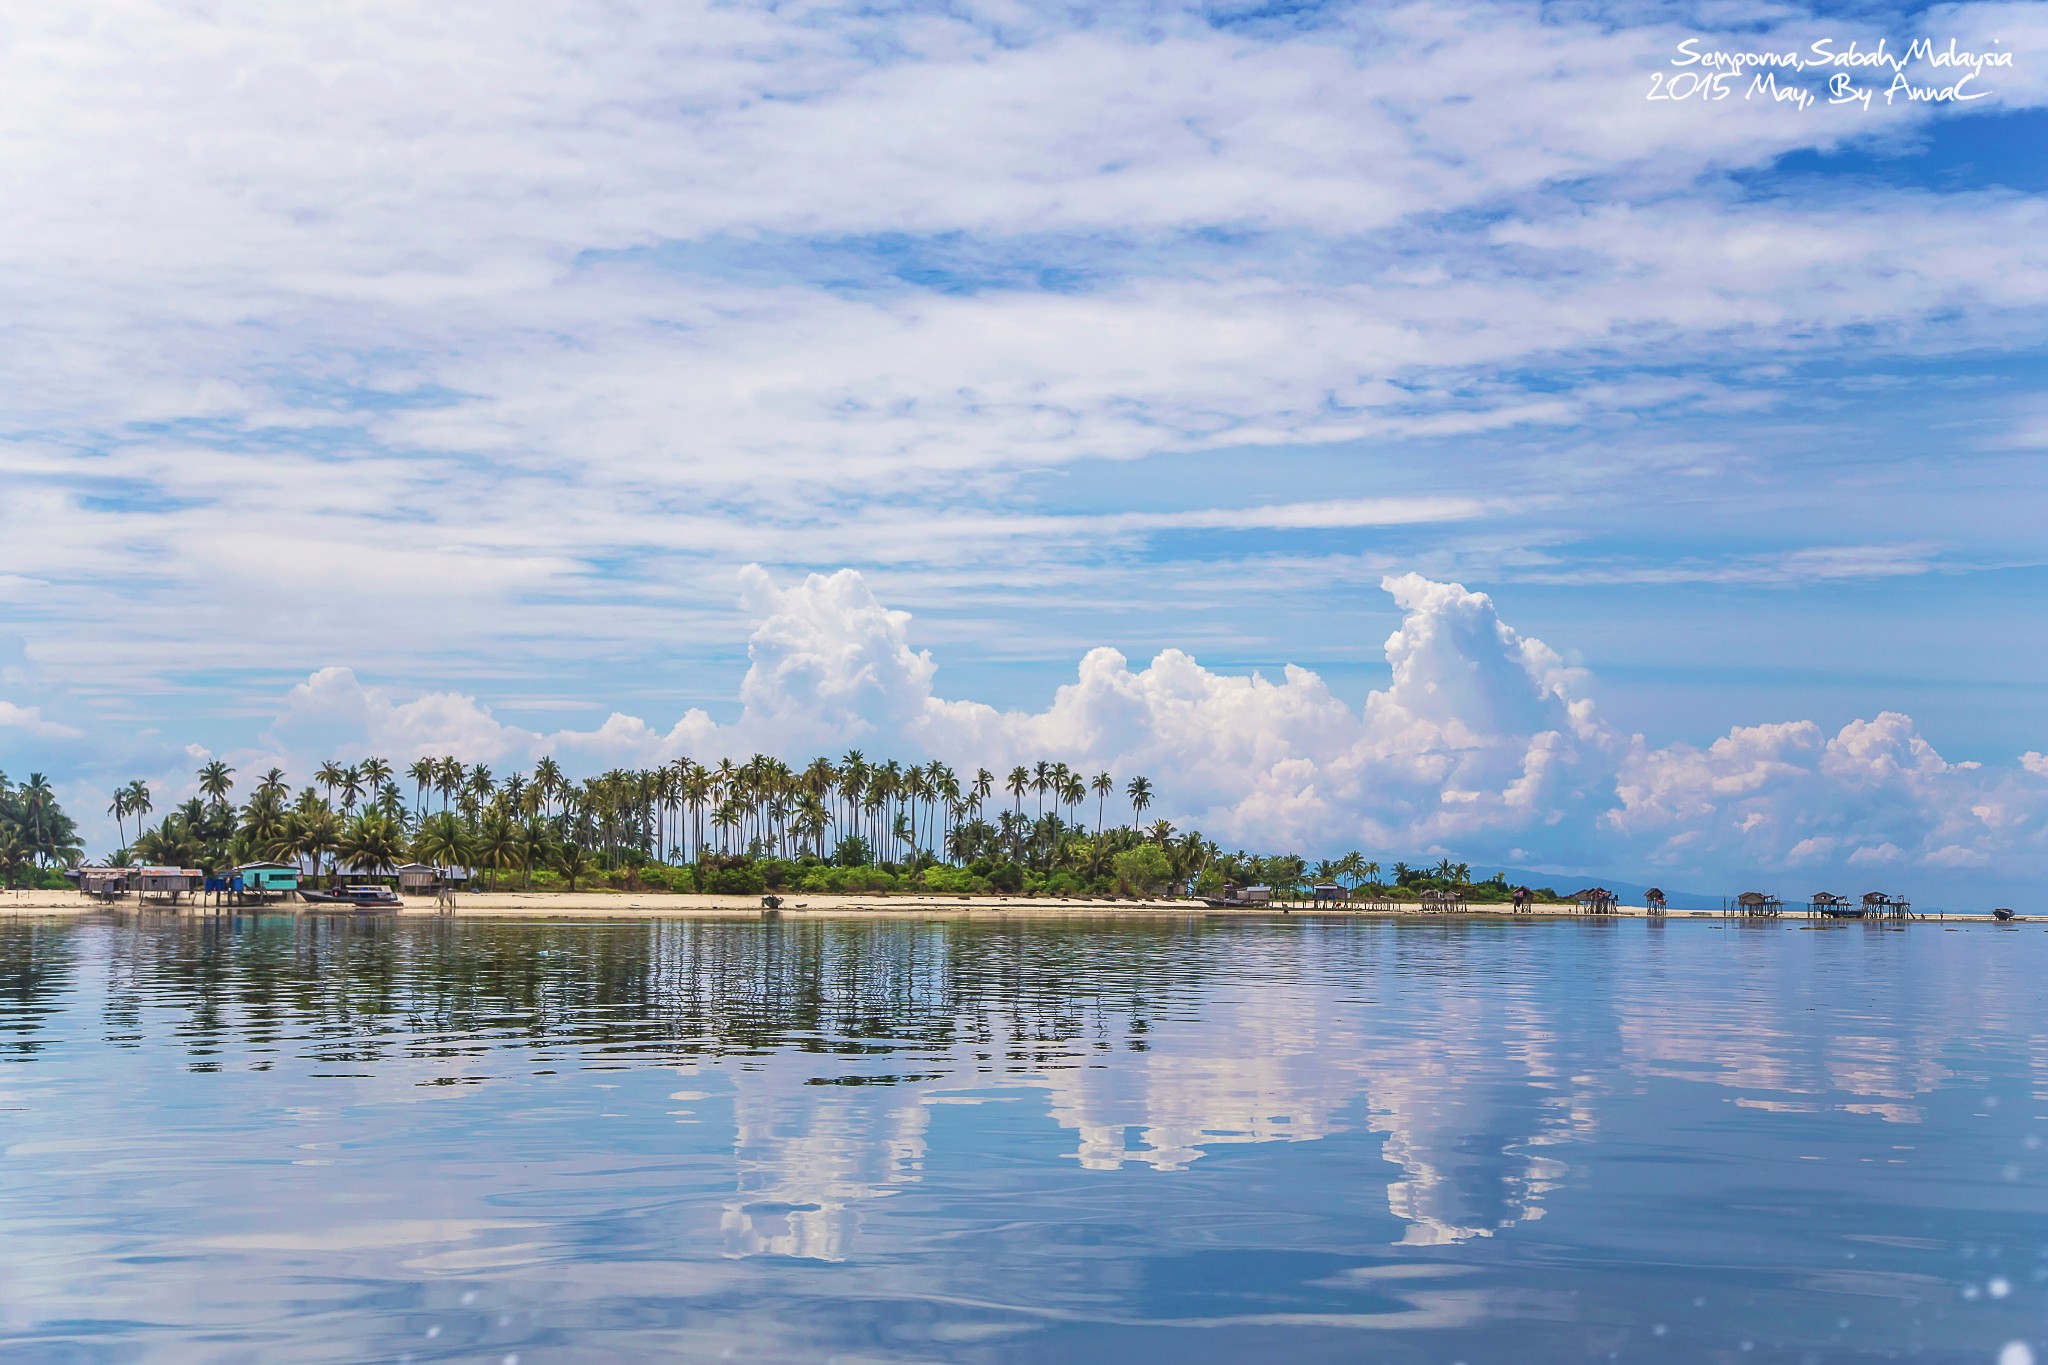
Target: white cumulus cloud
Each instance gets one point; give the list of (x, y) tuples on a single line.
[(1484, 744)]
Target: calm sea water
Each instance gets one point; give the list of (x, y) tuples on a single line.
[(1193, 1140)]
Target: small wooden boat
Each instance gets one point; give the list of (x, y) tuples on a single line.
[(356, 898), (2001, 914)]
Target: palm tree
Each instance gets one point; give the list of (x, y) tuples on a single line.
[(547, 779), (372, 843), (497, 843), (536, 848), (330, 777), (50, 836), (448, 780), (119, 810), (319, 833), (14, 855), (351, 787), (217, 779), (1140, 792), (273, 783), (1352, 867), (443, 842), (422, 774), (139, 803), (263, 820), (1102, 784), (572, 862)]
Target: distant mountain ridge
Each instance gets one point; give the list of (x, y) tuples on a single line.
[(1631, 893)]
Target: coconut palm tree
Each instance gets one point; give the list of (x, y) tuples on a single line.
[(139, 803), (536, 847), (372, 843), (449, 775), (1073, 791), (572, 862), (497, 842), (14, 855), (442, 841), (40, 823), (1351, 867), (422, 774), (1140, 792), (263, 819), (319, 834), (1102, 784), (547, 778), (216, 780), (118, 808), (329, 775)]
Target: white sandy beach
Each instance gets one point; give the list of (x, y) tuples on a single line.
[(645, 904)]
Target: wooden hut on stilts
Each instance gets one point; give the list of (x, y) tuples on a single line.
[(1756, 903)]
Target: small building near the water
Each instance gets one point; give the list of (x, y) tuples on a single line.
[(269, 879), (1597, 900), (417, 879), (410, 878), (169, 881), (104, 882)]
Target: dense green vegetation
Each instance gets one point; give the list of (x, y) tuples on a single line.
[(735, 828), (36, 836)]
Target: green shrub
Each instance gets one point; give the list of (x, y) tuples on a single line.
[(951, 881), (1144, 869), (742, 880)]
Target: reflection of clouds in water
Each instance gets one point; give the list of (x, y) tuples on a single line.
[(1269, 1069), (1467, 1106), (808, 1155), (1807, 1037), (1464, 1129)]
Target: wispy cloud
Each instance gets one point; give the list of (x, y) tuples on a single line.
[(459, 349)]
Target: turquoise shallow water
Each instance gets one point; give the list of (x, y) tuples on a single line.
[(1190, 1140)]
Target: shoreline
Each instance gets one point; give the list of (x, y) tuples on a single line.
[(660, 905)]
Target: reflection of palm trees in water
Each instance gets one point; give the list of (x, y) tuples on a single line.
[(1148, 1040), (37, 966)]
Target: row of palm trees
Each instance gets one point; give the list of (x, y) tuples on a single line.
[(852, 812), (680, 811), (848, 813)]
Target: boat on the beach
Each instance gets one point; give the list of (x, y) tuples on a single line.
[(356, 898)]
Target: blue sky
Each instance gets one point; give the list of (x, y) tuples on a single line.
[(476, 352)]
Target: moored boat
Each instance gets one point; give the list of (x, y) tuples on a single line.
[(356, 898)]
